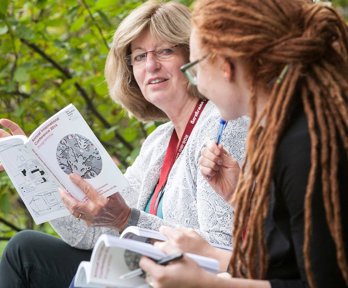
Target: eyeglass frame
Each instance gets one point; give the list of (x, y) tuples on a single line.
[(185, 69), (129, 56)]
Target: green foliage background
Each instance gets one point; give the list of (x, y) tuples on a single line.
[(52, 54)]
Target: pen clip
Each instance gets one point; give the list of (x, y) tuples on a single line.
[(222, 126)]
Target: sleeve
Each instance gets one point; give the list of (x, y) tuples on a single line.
[(77, 234), (146, 220), (214, 215), (292, 176), (292, 168)]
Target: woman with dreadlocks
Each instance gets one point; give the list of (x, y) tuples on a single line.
[(284, 63)]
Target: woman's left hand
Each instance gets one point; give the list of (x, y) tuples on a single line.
[(186, 240), (97, 210)]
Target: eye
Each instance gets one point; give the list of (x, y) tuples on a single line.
[(165, 52), (139, 57)]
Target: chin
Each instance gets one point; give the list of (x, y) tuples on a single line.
[(229, 115)]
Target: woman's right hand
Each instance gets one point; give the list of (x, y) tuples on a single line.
[(219, 169), (181, 239), (12, 128)]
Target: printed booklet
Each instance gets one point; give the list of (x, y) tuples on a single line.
[(113, 257), (142, 234), (37, 165), (151, 236)]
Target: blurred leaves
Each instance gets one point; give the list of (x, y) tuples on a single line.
[(53, 53)]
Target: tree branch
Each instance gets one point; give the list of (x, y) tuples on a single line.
[(5, 238), (95, 23), (66, 73), (8, 224), (22, 94)]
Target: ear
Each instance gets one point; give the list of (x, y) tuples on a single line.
[(228, 70)]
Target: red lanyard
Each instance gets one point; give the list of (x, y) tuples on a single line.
[(173, 153)]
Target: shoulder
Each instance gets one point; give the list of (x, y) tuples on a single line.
[(163, 131), (295, 141), (210, 121), (293, 158), (158, 139)]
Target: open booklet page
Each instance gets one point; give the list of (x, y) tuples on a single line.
[(142, 234), (112, 257), (34, 183), (62, 145)]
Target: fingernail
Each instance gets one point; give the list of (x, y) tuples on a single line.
[(61, 190), (74, 176)]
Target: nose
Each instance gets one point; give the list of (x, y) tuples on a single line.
[(152, 63)]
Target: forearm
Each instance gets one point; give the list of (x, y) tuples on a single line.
[(211, 280), (223, 256), (77, 233)]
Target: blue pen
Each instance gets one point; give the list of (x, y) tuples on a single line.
[(222, 126)]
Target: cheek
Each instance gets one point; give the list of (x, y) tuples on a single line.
[(139, 78), (176, 72), (207, 85)]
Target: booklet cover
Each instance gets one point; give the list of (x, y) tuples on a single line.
[(112, 257), (37, 165)]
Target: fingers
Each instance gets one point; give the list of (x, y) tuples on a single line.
[(208, 164), (3, 133), (210, 159), (167, 247), (14, 130), (87, 188), (169, 232), (150, 267), (183, 239), (12, 126), (73, 205), (229, 162), (178, 235)]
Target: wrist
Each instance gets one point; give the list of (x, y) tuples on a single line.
[(132, 218), (208, 279), (124, 218)]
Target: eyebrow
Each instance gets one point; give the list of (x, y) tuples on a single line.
[(155, 48)]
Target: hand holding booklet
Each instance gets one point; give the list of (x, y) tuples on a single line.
[(37, 165), (113, 257)]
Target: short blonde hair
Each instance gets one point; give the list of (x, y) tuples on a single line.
[(166, 21)]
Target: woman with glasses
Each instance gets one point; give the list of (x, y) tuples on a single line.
[(143, 74), (284, 63)]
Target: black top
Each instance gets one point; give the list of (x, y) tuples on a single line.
[(285, 222)]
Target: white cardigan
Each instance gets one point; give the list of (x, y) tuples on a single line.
[(188, 200)]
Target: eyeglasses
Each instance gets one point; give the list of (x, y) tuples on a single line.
[(139, 58), (190, 70)]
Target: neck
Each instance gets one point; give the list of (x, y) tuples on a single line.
[(262, 98), (182, 114)]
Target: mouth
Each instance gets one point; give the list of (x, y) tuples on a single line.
[(158, 80)]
